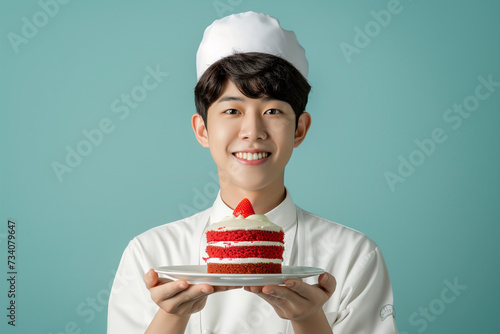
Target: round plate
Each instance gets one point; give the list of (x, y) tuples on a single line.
[(197, 274)]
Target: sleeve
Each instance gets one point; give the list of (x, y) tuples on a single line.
[(130, 308), (366, 304)]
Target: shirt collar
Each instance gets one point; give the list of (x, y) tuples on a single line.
[(284, 215)]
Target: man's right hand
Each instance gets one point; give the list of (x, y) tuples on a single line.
[(178, 297)]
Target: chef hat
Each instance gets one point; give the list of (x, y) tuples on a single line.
[(249, 32)]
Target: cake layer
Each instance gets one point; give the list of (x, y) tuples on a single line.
[(267, 252), (244, 243), (246, 268), (242, 235)]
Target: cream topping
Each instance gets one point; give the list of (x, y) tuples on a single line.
[(252, 222), (244, 243)]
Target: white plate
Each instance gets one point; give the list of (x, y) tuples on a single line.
[(197, 274)]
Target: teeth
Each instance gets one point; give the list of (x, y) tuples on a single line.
[(251, 156)]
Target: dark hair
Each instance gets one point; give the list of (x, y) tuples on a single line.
[(256, 75)]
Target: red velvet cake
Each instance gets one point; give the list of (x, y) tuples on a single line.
[(245, 243)]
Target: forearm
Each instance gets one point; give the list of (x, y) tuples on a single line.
[(316, 323), (165, 323)]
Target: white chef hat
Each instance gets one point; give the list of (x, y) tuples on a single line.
[(249, 32)]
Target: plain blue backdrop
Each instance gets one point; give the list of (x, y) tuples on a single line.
[(404, 145)]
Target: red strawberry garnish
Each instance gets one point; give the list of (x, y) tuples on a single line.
[(244, 208)]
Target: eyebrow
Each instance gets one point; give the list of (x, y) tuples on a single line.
[(240, 99), (229, 98)]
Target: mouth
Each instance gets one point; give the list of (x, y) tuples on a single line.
[(248, 156)]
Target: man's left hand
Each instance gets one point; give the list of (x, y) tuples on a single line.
[(297, 300)]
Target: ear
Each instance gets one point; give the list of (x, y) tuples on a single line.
[(302, 128), (200, 130)]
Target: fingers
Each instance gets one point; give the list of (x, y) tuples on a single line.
[(293, 292), (177, 292), (255, 289), (297, 300), (299, 287), (153, 281), (151, 278), (163, 280), (328, 283), (168, 290), (163, 288), (178, 297), (295, 288), (180, 291)]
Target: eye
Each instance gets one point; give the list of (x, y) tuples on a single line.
[(273, 111), (231, 111)]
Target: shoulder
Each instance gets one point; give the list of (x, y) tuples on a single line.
[(315, 221), (343, 251), (340, 242)]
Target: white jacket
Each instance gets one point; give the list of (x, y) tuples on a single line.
[(361, 303)]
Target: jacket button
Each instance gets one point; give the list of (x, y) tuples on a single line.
[(206, 331)]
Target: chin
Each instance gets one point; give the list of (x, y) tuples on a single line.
[(252, 184)]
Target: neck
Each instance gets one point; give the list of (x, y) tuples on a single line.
[(263, 200)]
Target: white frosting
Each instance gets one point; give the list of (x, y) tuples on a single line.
[(243, 260), (244, 243), (252, 222)]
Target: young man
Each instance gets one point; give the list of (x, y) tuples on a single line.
[(250, 97)]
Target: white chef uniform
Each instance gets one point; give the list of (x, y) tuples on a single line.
[(361, 303)]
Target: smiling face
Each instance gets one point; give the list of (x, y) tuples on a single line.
[(251, 141)]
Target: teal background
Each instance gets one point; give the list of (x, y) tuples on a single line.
[(440, 224)]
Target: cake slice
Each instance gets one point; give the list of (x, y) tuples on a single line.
[(244, 243)]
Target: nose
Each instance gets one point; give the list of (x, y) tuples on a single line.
[(253, 127)]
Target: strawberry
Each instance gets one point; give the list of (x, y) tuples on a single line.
[(244, 208)]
